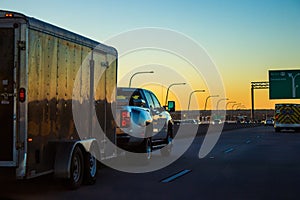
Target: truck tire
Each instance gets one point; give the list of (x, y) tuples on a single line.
[(91, 168), (148, 142), (148, 148), (166, 151), (76, 169)]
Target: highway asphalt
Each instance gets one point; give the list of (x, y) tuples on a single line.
[(248, 163)]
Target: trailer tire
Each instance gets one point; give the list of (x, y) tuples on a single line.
[(91, 168), (76, 169)]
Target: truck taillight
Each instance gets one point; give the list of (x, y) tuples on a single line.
[(22, 95), (125, 119), (9, 15)]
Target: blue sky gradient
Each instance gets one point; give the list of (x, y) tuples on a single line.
[(245, 38)]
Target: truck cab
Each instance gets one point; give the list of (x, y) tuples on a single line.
[(143, 124)]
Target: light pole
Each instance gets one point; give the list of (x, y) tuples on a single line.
[(145, 72), (293, 83), (235, 105), (232, 111), (169, 89), (229, 102), (223, 99), (191, 95), (207, 99), (238, 108)]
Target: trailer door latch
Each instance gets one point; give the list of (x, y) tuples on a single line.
[(22, 45)]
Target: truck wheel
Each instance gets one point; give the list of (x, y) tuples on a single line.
[(166, 150), (91, 169), (147, 144), (148, 148), (76, 169)]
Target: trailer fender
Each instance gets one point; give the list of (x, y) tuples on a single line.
[(64, 151)]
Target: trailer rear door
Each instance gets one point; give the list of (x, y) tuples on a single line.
[(7, 96)]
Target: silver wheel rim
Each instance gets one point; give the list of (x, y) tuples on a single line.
[(76, 168), (148, 149), (93, 165)]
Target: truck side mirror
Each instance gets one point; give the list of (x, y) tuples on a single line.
[(171, 106)]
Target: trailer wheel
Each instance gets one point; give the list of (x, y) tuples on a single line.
[(76, 169), (91, 168)]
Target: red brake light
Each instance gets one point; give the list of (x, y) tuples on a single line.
[(22, 95), (125, 119)]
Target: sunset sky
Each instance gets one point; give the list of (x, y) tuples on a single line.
[(243, 38)]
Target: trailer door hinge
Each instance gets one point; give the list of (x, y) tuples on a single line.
[(22, 45)]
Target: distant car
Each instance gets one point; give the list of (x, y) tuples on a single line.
[(190, 121), (216, 121), (268, 122)]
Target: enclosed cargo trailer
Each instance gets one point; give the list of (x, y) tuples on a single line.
[(39, 64)]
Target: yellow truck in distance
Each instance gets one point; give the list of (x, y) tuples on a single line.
[(287, 116)]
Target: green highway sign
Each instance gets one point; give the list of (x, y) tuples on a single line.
[(284, 84)]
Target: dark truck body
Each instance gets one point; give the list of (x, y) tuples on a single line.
[(140, 117), (39, 63)]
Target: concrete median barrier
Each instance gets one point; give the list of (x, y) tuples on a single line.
[(202, 128)]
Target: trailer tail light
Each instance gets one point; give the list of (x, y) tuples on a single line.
[(22, 95), (125, 119)]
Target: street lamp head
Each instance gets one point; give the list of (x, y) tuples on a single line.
[(224, 99), (142, 72), (199, 91), (229, 102), (176, 84)]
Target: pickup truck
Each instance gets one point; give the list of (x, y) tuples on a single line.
[(143, 125)]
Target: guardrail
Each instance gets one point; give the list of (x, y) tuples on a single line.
[(202, 128)]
